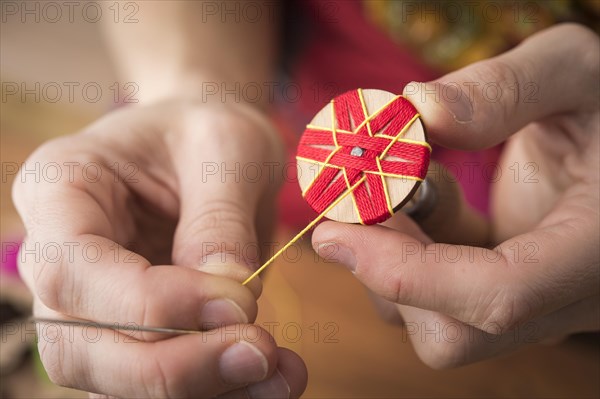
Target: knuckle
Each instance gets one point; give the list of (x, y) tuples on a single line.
[(55, 165), (398, 283), (507, 308), (503, 71), (52, 355), (577, 32), (59, 149), (159, 382), (398, 287), (145, 304), (220, 226), (443, 355), (50, 149), (589, 60), (153, 310), (220, 216), (149, 305), (54, 285), (583, 43), (495, 78), (48, 282), (19, 193), (200, 122), (503, 74), (22, 188), (195, 121), (71, 164), (25, 264), (143, 315), (240, 129), (436, 349)]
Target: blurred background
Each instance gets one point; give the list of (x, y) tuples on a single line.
[(57, 77), (35, 54)]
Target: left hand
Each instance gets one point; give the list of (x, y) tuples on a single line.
[(171, 242), (541, 281)]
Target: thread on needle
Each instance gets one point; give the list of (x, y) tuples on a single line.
[(303, 231)]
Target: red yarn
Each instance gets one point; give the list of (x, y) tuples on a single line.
[(369, 196)]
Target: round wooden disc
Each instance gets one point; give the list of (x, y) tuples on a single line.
[(400, 190)]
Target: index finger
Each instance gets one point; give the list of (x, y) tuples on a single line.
[(79, 229), (552, 72)]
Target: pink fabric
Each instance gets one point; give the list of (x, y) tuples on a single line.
[(348, 52), (10, 253)]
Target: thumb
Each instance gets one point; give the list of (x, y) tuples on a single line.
[(481, 105), (226, 176), (405, 267), (216, 228)]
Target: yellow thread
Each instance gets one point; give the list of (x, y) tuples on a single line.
[(333, 123), (328, 129), (394, 176), (312, 181), (352, 196), (365, 113), (364, 171), (334, 131), (317, 162), (367, 120), (326, 162), (336, 149), (385, 189), (395, 139), (409, 141), (308, 227), (383, 136), (362, 123)]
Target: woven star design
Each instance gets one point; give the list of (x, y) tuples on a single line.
[(359, 146)]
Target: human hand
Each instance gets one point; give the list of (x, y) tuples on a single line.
[(143, 227), (541, 281)]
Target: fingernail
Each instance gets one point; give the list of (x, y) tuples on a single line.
[(338, 253), (224, 258), (243, 363), (221, 258), (275, 387), (454, 100), (222, 312)]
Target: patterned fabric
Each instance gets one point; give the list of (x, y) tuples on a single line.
[(451, 34)]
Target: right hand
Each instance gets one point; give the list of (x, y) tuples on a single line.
[(126, 234), (541, 280)]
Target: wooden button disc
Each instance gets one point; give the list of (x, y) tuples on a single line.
[(366, 134)]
